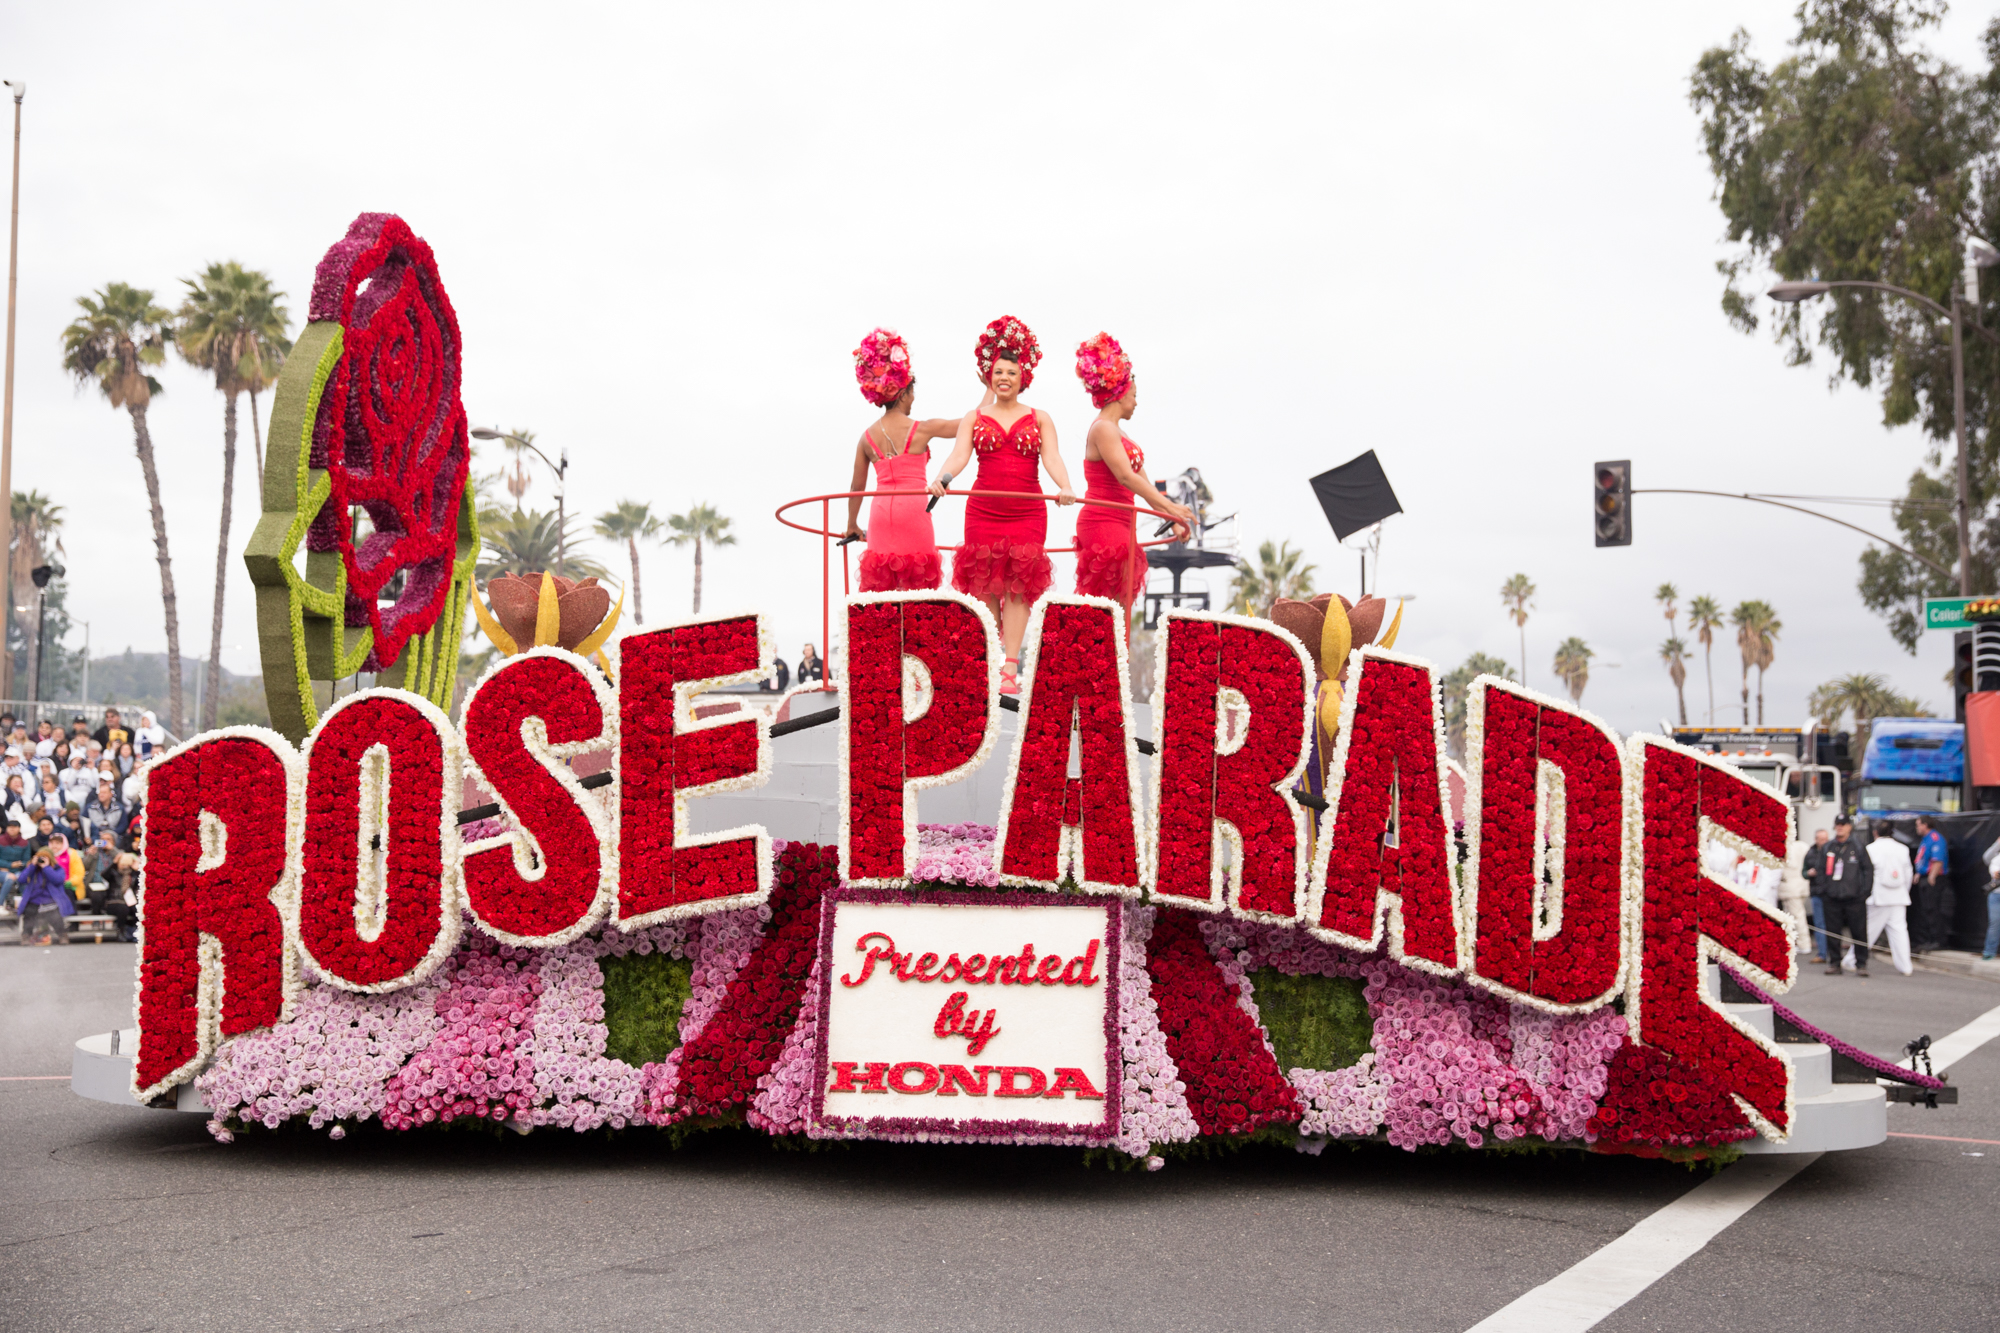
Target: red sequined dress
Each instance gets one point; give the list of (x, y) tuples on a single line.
[(1109, 562), (902, 551), (1004, 538)]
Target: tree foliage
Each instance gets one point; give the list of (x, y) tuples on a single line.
[(1277, 574), (1864, 696), (1455, 685), (1572, 665), (1862, 156)]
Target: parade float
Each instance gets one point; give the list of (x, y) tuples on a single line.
[(1259, 904)]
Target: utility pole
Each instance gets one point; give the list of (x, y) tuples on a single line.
[(1964, 505), (7, 409)]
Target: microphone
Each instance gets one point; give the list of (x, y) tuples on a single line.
[(944, 480)]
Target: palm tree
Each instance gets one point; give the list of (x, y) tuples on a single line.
[(1518, 596), (1767, 646), (119, 334), (1867, 696), (516, 442), (1753, 621), (630, 521), (1277, 574), (1572, 666), (1456, 684), (1704, 618), (1675, 654), (526, 542), (1667, 595), (699, 524), (232, 326), (37, 537)]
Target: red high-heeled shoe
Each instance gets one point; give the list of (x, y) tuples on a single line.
[(1010, 681)]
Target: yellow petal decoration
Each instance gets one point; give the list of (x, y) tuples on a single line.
[(1389, 640), (1330, 695), (501, 638), (548, 616), (1336, 637), (596, 638)]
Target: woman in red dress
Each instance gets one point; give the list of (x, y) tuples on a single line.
[(902, 551), (1004, 561), (1109, 562)]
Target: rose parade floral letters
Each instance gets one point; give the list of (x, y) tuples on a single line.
[(322, 942)]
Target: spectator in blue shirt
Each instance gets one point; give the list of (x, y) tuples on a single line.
[(1933, 859), (1931, 922)]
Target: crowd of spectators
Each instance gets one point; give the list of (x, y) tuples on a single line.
[(70, 810)]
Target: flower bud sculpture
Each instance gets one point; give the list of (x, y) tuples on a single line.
[(542, 610)]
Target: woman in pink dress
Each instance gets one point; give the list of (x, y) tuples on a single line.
[(1004, 561), (1109, 562), (902, 551)]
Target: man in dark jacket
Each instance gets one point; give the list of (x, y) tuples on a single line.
[(1847, 878), (1813, 870)]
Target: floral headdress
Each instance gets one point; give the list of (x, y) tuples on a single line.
[(1008, 337), (1104, 369), (882, 366)]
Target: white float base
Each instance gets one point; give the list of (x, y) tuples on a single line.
[(104, 1075)]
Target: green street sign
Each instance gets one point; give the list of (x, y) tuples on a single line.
[(1948, 612)]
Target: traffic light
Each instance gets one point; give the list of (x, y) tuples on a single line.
[(1612, 508)]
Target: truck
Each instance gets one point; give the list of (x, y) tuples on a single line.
[(1913, 765), (1805, 765)]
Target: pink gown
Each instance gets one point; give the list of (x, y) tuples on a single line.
[(902, 552), (1109, 562), (1005, 539)]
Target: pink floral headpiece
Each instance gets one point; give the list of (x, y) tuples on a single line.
[(1008, 337), (882, 366), (1104, 369)]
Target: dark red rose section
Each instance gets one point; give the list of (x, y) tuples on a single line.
[(721, 1066), (1233, 1082), (1580, 962), (873, 719), (391, 430), (883, 751), (543, 908), (241, 784), (1198, 785), (1655, 1100), (1076, 677), (414, 911), (1681, 905), (1392, 765), (656, 760)]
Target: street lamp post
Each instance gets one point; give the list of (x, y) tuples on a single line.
[(559, 468), (1978, 255), (7, 411)]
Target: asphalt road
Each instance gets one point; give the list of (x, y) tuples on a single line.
[(129, 1219)]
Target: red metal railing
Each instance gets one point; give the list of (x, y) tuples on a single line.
[(827, 538)]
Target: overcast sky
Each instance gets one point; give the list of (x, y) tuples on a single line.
[(1478, 239)]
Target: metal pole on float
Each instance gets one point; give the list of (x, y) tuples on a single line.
[(825, 594), (7, 409)]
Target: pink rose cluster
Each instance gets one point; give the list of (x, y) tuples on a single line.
[(956, 854), (1154, 1109), (477, 1065), (330, 1063)]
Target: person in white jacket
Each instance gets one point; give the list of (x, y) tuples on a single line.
[(1889, 903)]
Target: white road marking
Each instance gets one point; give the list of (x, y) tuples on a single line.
[(1950, 1050), (1582, 1296)]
